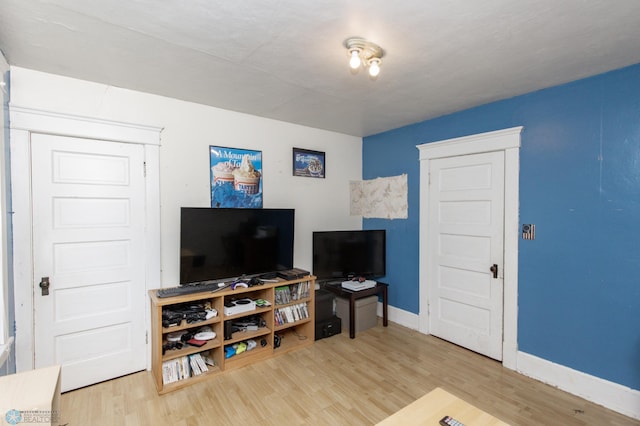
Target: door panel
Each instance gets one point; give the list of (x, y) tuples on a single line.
[(88, 233), (465, 237)]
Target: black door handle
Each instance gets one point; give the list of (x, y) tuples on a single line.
[(44, 285), (494, 270)]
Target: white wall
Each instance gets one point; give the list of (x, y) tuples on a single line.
[(188, 130)]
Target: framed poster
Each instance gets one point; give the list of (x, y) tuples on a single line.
[(236, 177), (308, 163)]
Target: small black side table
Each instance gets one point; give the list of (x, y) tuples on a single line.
[(379, 289)]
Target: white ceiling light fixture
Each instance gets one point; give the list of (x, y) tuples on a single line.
[(364, 52)]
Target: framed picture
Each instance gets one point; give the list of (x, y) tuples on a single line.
[(236, 177), (308, 163)]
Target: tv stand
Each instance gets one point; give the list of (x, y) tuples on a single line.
[(282, 321), (380, 289)]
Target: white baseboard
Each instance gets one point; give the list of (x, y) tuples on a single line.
[(399, 316), (611, 395)]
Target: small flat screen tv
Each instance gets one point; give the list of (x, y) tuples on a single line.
[(338, 255), (226, 243)]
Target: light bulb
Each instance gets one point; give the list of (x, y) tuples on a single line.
[(374, 67), (354, 62)]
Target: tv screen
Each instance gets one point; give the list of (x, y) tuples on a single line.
[(226, 243), (342, 254)]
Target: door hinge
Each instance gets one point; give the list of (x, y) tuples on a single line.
[(144, 168), (146, 337)]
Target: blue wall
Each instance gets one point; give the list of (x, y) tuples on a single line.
[(579, 280)]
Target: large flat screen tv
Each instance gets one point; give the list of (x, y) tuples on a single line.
[(226, 243), (338, 255)]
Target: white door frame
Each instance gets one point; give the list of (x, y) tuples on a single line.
[(24, 122), (507, 140)]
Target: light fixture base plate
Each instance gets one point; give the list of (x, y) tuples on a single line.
[(368, 50)]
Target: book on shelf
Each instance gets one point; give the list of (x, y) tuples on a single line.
[(184, 367), (195, 368), (291, 293), (291, 313), (174, 370), (287, 311), (200, 361), (300, 290), (282, 295), (198, 366)]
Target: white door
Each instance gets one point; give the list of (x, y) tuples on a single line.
[(465, 239), (88, 200)]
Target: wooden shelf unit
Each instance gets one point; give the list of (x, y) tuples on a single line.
[(292, 335)]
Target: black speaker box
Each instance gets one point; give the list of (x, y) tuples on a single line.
[(324, 305), (328, 328)]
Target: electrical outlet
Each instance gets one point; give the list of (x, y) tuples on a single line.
[(528, 231)]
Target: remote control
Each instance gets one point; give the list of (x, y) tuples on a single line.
[(450, 421)]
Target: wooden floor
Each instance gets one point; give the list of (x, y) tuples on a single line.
[(338, 381)]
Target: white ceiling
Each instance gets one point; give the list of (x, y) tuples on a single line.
[(284, 59)]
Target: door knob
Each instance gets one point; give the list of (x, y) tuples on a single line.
[(494, 270), (44, 285)]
